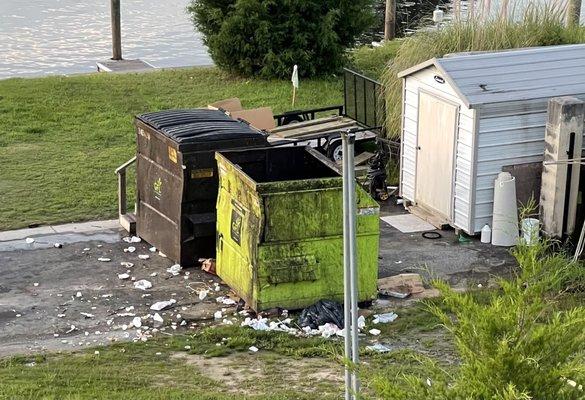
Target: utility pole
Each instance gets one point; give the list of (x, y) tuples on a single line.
[(574, 12), (390, 20), (116, 30)]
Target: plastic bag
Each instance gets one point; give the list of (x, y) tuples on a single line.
[(322, 312)]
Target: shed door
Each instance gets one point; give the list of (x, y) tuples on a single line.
[(437, 121)]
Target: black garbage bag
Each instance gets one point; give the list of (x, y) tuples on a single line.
[(322, 312)]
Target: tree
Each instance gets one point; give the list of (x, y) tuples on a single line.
[(267, 37)]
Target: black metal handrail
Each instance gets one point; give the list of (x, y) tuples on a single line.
[(363, 98)]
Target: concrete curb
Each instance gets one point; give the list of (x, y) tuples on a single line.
[(81, 227)]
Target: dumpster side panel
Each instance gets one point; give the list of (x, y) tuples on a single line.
[(315, 271), (239, 221)]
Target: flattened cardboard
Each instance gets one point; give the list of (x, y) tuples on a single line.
[(229, 105), (260, 118)]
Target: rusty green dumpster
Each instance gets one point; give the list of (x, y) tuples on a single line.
[(280, 228)]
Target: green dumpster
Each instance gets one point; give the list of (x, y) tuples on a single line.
[(280, 228)]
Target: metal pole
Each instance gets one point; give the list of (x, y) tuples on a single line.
[(116, 30), (353, 260), (346, 271)]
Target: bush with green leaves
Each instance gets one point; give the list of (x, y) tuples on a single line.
[(267, 37), (537, 26), (525, 341)]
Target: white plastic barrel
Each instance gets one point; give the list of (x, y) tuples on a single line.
[(505, 222), (530, 230)]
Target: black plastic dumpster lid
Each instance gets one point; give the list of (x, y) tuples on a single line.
[(197, 125)]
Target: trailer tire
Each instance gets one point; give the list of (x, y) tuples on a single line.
[(335, 151)]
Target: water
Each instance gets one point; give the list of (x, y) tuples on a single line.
[(39, 37)]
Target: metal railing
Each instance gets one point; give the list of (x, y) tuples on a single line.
[(121, 172), (363, 98)]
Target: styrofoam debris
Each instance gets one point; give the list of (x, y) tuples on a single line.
[(258, 324), (123, 276), (132, 239), (253, 349), (152, 249), (327, 330), (153, 274), (97, 352), (161, 305), (226, 300), (361, 322), (107, 295), (174, 269), (126, 264), (86, 249), (218, 315), (160, 253), (157, 318), (143, 256), (104, 259), (384, 318), (379, 348), (29, 240), (35, 284), (203, 294), (130, 249), (375, 332), (87, 315), (142, 284), (57, 245)]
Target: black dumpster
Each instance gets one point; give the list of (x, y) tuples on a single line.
[(177, 177)]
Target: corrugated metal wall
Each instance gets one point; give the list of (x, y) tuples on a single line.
[(509, 133), (424, 80)]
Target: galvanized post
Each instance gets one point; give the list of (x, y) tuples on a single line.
[(353, 259), (346, 271)]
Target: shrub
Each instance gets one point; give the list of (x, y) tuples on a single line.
[(267, 37), (520, 343), (537, 26)]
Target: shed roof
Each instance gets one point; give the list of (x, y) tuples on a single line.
[(512, 75)]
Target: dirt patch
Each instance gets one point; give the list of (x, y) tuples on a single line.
[(265, 372)]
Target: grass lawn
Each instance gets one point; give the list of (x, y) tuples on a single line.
[(62, 137)]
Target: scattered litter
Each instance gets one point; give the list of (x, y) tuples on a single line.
[(71, 329), (55, 334), (61, 315), (203, 294), (143, 256), (152, 249), (97, 352), (361, 322), (86, 249), (104, 259), (126, 264), (142, 284), (153, 274), (218, 315), (157, 318), (78, 294), (253, 349), (161, 305), (329, 330), (320, 313), (160, 253), (57, 245), (132, 239), (130, 249), (379, 348), (87, 315), (29, 240), (107, 295), (385, 318), (123, 276), (208, 265), (258, 324), (174, 269), (375, 332), (226, 300), (35, 284)]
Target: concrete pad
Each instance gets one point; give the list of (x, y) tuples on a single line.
[(81, 227), (407, 223)]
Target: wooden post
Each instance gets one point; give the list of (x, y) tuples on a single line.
[(390, 20), (560, 176), (574, 12), (116, 30)]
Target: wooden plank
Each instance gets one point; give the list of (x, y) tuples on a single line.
[(362, 158), (436, 220), (330, 126), (305, 123)]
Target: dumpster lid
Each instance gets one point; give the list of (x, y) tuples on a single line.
[(197, 125)]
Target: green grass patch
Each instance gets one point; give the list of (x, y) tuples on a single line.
[(61, 138)]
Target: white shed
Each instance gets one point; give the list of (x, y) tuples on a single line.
[(468, 115)]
